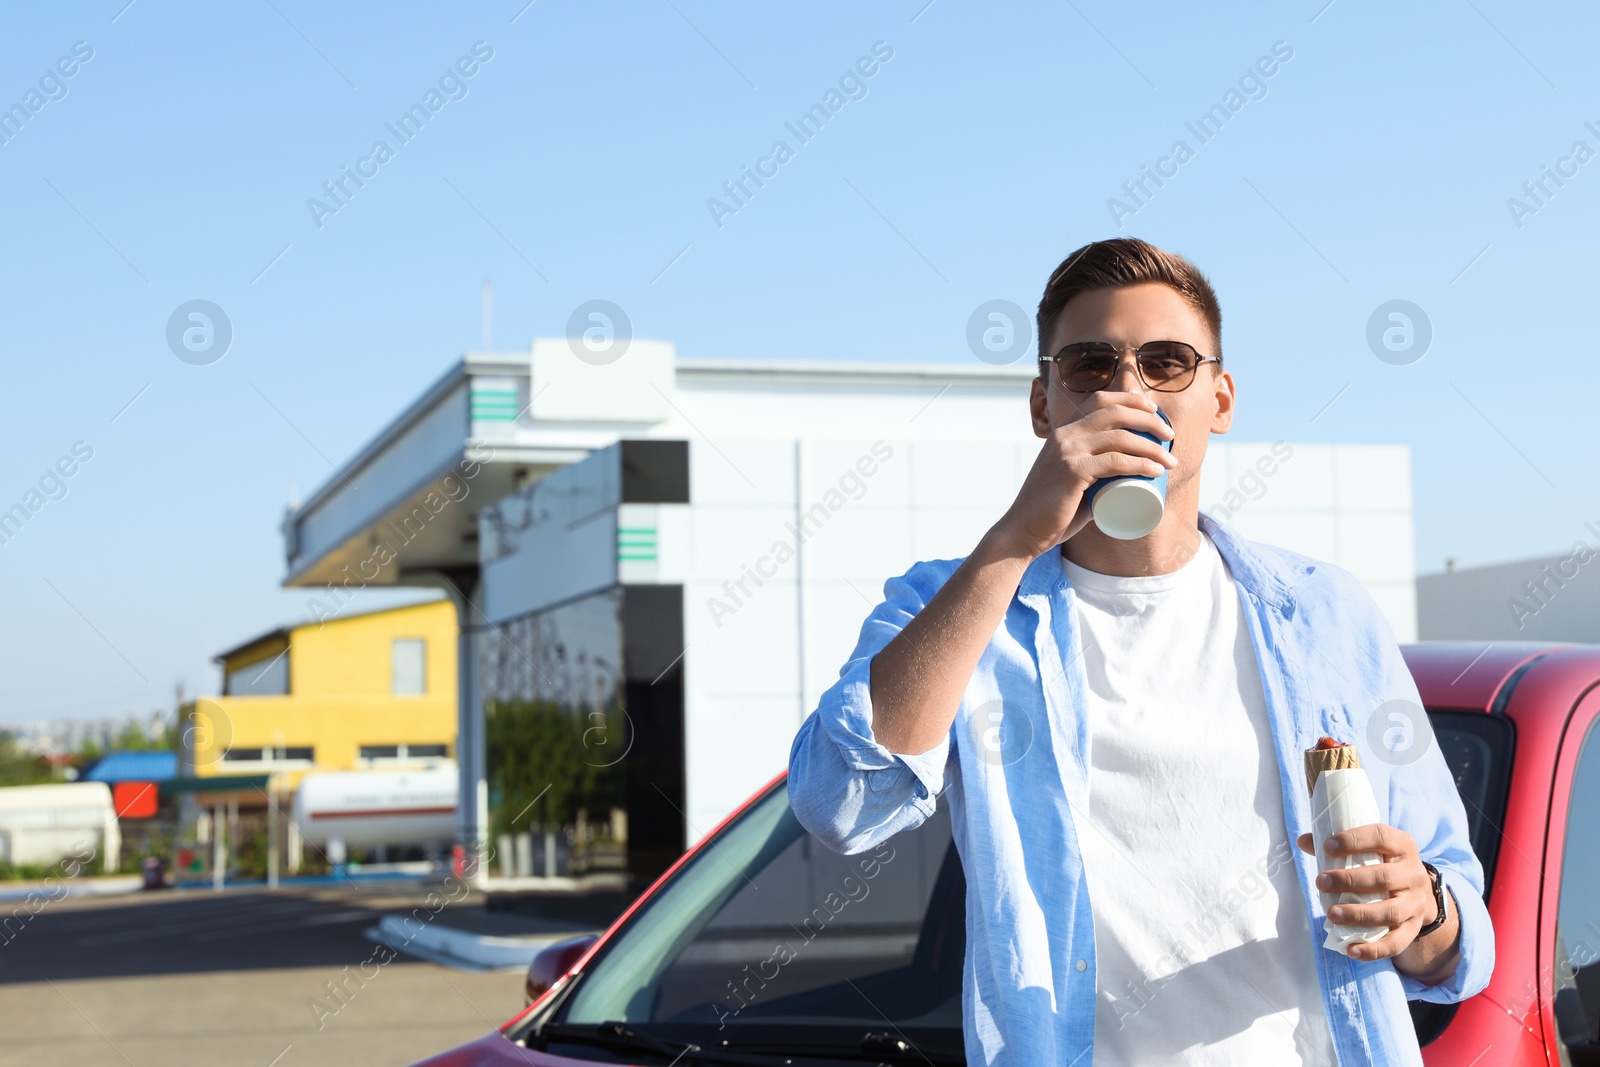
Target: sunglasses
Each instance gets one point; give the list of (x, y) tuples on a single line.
[(1165, 366)]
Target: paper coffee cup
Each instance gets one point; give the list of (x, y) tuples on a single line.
[(1129, 506)]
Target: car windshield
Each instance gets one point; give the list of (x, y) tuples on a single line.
[(769, 939)]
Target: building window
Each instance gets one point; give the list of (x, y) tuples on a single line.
[(263, 678), (409, 658), (402, 753), (295, 755)]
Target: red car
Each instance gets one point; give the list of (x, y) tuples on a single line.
[(762, 946)]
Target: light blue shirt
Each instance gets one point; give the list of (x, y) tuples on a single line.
[(1329, 659)]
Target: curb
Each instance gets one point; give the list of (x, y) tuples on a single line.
[(462, 950), (94, 886)]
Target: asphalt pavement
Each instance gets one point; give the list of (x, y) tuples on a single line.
[(249, 977)]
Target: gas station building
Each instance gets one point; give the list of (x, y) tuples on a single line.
[(659, 563)]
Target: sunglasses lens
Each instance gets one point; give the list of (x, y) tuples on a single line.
[(1087, 367), (1167, 364)]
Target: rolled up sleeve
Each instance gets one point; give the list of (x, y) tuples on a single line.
[(845, 787), (1477, 944), (1443, 842)]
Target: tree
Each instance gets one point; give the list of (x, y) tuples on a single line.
[(134, 739), (544, 762), (18, 767)]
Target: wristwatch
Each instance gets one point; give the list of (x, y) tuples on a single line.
[(1438, 898)]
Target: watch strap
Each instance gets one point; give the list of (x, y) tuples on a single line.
[(1438, 897)]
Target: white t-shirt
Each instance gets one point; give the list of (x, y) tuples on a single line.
[(1203, 954)]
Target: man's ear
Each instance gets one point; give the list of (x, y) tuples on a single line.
[(1039, 409), (1222, 421)]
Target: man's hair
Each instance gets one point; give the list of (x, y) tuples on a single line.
[(1123, 261)]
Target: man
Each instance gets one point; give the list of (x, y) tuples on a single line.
[(1118, 726)]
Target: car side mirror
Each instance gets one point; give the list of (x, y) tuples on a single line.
[(553, 961)]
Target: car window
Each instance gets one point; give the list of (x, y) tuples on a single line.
[(1577, 949), (1477, 748), (769, 936)]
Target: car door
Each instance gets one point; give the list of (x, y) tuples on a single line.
[(1569, 963)]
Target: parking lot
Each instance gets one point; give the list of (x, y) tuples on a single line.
[(245, 977)]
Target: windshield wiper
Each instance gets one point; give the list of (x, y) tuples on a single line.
[(881, 1045), (874, 1047), (615, 1035)]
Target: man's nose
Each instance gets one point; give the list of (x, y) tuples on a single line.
[(1126, 379)]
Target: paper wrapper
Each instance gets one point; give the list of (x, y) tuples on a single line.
[(1342, 798), (1328, 759)]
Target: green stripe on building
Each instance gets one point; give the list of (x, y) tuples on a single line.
[(495, 405), (636, 543)]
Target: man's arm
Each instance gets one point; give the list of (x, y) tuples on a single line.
[(918, 679), (1455, 961), (845, 787), (866, 764), (870, 761), (1427, 821), (1432, 958)]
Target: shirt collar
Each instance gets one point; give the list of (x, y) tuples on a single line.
[(1271, 579)]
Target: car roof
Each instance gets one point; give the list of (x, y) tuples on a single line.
[(1533, 683), (1468, 675)]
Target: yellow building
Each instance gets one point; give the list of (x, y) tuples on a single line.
[(376, 690)]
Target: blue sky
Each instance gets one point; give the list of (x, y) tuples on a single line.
[(176, 163)]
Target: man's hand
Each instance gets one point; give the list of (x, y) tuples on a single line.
[(1099, 443), (1410, 905)]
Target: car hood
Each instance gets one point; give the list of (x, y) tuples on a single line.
[(494, 1050)]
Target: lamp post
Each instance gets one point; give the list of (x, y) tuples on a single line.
[(219, 853), (272, 830), (272, 814)]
